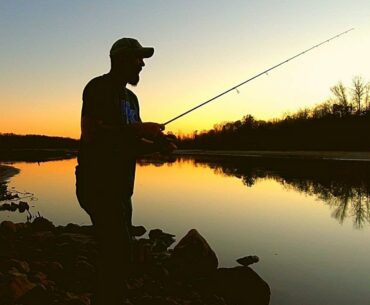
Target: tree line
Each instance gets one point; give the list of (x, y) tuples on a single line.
[(340, 123), (13, 141)]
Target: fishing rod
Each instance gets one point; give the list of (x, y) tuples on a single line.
[(256, 76)]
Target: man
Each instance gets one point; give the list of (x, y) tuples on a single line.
[(112, 136)]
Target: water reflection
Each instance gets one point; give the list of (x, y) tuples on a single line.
[(344, 185)]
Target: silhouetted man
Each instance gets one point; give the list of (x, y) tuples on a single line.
[(111, 139)]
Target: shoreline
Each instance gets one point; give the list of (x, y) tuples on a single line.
[(42, 155), (6, 172), (358, 156), (36, 155), (45, 264)]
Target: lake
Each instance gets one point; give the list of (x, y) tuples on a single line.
[(308, 221)]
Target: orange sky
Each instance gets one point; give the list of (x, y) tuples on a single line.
[(50, 51)]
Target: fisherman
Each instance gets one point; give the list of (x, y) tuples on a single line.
[(112, 137)]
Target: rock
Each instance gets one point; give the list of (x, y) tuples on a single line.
[(73, 299), (21, 266), (53, 269), (193, 257), (38, 295), (5, 207), (8, 228), (159, 234), (161, 241), (76, 239), (72, 228), (41, 224), (137, 230), (142, 253), (41, 278), (84, 269), (15, 287), (239, 285), (23, 206), (21, 226), (43, 237), (248, 260)]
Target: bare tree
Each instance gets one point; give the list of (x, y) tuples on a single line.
[(339, 90), (358, 91), (367, 96)]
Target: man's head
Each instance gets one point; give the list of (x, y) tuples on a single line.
[(127, 59)]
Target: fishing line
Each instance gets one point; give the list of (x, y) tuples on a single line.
[(254, 77)]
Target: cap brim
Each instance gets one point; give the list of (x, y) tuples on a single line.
[(146, 52), (142, 52)]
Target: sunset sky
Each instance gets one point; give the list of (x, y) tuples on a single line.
[(51, 49)]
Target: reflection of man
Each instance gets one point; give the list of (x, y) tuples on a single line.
[(111, 139)]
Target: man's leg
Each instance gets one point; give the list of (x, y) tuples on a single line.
[(110, 221), (134, 230), (114, 261)]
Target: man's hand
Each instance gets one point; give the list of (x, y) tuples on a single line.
[(167, 144), (148, 130), (163, 144)]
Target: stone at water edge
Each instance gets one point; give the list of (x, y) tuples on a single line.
[(41, 224), (8, 228), (23, 206), (159, 234), (161, 240), (137, 231), (193, 257), (240, 286), (248, 260)]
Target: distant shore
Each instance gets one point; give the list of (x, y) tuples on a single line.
[(41, 155), (363, 156), (36, 155)]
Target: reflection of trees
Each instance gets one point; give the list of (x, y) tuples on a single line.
[(345, 199), (345, 186)]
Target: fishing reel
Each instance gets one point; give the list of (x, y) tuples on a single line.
[(162, 143), (166, 143)]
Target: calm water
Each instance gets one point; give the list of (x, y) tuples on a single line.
[(307, 221)]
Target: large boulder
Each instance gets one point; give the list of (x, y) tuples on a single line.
[(8, 228), (239, 286), (41, 224), (193, 257)]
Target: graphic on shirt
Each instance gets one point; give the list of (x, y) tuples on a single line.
[(129, 113)]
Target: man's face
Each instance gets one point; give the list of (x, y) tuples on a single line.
[(132, 67)]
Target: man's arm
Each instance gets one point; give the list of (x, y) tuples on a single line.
[(92, 128)]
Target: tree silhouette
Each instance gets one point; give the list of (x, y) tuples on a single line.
[(358, 91)]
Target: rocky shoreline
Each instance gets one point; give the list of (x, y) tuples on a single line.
[(45, 264), (6, 172)]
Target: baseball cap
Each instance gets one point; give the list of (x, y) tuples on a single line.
[(130, 46)]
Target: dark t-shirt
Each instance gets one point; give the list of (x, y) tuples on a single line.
[(110, 154)]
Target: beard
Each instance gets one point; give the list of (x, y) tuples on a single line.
[(133, 76), (134, 79)]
